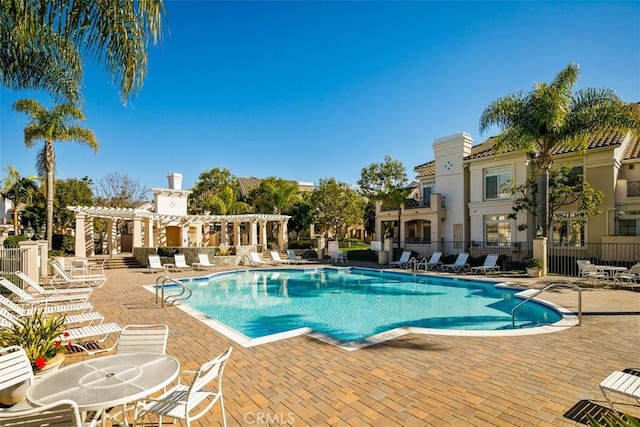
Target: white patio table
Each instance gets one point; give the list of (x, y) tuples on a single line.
[(107, 381)]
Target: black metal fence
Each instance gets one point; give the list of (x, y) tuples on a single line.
[(561, 260), (12, 260)]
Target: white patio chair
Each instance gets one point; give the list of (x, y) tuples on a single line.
[(180, 401), (203, 263), (489, 266), (629, 278), (61, 277), (621, 383), (155, 265), (15, 368), (430, 264), (255, 260), (52, 301), (63, 413), (459, 265), (590, 271), (293, 257), (82, 293), (402, 262), (180, 263)]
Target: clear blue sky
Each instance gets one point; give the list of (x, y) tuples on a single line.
[(310, 90)]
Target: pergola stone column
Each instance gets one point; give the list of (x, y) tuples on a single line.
[(283, 235), (148, 233), (223, 232), (253, 232), (263, 234), (236, 233), (84, 236), (137, 232)]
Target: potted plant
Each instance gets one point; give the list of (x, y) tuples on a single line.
[(533, 266), (38, 336)]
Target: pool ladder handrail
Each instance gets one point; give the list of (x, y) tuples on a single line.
[(553, 285), (171, 299)]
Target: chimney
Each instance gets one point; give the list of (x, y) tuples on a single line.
[(175, 181)]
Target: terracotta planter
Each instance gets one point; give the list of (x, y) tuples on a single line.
[(534, 272)]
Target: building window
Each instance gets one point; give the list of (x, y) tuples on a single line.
[(568, 232), (628, 227), (496, 183), (633, 188), (497, 230), (628, 223), (426, 197)]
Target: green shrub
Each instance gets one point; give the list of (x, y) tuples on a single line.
[(164, 251), (12, 241), (363, 255)]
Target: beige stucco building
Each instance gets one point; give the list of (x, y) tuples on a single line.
[(462, 197)]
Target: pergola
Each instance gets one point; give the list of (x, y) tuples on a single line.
[(149, 229)]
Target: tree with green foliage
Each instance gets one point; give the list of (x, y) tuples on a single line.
[(386, 182), (301, 214), (49, 126), (552, 115), (20, 190), (570, 197), (336, 207), (217, 192), (43, 43), (70, 192), (274, 196)]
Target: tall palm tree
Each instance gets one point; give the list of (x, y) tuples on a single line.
[(56, 124), (42, 42), (551, 115), (19, 190)]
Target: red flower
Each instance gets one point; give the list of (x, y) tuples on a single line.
[(66, 334), (40, 362), (57, 344)]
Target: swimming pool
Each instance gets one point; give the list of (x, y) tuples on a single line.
[(356, 306)]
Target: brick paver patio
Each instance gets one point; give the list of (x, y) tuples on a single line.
[(414, 380)]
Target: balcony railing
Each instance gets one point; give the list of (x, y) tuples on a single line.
[(633, 188)]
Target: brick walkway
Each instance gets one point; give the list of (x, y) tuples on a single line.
[(414, 380)]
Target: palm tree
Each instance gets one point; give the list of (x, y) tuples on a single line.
[(19, 190), (552, 115), (56, 124), (42, 42)]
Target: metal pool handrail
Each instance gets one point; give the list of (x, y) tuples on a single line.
[(553, 285), (171, 299)]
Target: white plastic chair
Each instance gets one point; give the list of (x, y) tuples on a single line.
[(179, 401), (71, 293), (143, 339), (24, 297), (63, 413), (621, 383), (155, 264), (459, 265), (275, 256), (203, 263), (61, 277), (15, 367), (489, 266), (630, 278), (180, 263), (402, 262)]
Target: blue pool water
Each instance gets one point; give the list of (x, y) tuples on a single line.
[(353, 304)]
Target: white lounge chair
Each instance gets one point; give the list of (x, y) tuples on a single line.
[(431, 263), (82, 293), (155, 265), (13, 313), (180, 263), (255, 260), (61, 277), (621, 383), (25, 298), (489, 266), (459, 265), (275, 256), (180, 401), (294, 259), (402, 262), (203, 263)]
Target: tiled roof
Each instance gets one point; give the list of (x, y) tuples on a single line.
[(486, 149)]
